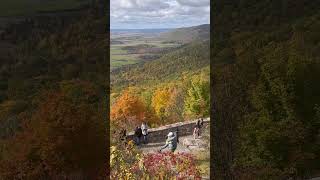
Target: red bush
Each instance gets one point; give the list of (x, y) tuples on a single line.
[(168, 164)]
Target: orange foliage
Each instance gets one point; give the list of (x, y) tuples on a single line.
[(64, 137), (130, 110)]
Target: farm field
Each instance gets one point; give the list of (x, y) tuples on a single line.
[(132, 49)]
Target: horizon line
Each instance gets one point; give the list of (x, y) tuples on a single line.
[(156, 28)]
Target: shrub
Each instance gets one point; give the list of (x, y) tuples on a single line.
[(169, 165), (128, 163)]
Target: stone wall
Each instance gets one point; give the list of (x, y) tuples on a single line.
[(159, 134)]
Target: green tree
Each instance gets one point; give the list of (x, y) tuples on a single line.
[(197, 101)]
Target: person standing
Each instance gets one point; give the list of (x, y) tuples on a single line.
[(196, 131), (177, 134), (199, 123), (123, 136), (138, 135), (199, 126), (144, 128)]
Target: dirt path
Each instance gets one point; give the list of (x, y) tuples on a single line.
[(186, 144), (182, 147)]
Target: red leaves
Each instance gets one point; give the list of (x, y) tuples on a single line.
[(180, 165)]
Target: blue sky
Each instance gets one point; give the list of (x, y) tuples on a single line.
[(148, 14)]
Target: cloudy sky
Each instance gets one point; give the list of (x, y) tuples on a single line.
[(141, 14)]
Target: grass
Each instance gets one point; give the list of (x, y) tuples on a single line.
[(124, 57), (28, 7), (120, 57), (119, 63), (160, 44), (203, 157), (117, 51), (203, 162)]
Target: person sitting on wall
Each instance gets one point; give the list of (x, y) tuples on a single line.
[(171, 142)]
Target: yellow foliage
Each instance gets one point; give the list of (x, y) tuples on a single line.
[(166, 103), (160, 101)]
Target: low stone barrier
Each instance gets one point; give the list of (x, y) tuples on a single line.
[(159, 134)]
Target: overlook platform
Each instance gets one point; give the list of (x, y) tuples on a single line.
[(158, 135)]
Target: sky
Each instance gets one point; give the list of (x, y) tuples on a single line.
[(153, 14)]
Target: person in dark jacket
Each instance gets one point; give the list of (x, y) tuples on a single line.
[(177, 134), (123, 135), (138, 135), (199, 126), (201, 122)]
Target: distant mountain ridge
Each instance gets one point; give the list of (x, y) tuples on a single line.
[(188, 34), (139, 30)]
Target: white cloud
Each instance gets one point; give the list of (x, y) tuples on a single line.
[(139, 5), (158, 13), (194, 3)]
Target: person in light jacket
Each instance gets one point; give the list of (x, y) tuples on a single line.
[(171, 142), (144, 128)]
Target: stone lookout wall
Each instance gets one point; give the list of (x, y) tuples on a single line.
[(159, 134)]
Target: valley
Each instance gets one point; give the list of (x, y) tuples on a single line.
[(136, 46), (160, 80), (147, 59)]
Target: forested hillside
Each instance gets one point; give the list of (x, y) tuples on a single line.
[(187, 34), (53, 82), (31, 7), (188, 58), (267, 96), (169, 89)]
